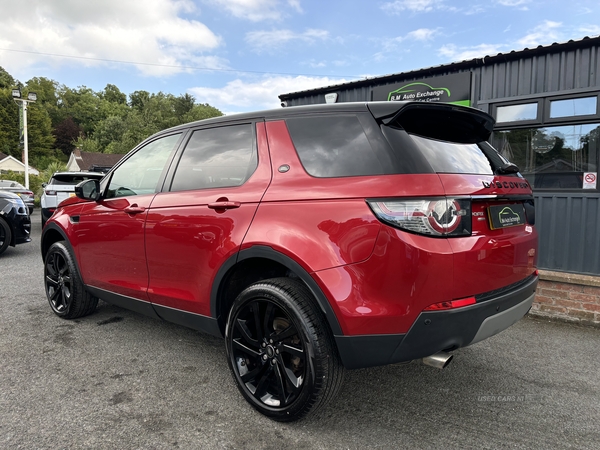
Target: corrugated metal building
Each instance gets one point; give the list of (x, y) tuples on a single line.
[(555, 89), (546, 102)]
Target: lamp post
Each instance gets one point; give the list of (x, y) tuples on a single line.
[(31, 97)]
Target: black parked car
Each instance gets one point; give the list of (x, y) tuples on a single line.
[(15, 225)]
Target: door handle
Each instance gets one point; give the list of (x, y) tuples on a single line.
[(224, 205), (134, 209)]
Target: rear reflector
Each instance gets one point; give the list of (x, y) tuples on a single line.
[(451, 304)]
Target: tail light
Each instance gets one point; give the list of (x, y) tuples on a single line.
[(439, 217), (50, 192)]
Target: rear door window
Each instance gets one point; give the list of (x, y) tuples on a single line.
[(216, 158)]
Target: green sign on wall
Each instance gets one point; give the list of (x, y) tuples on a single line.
[(454, 88)]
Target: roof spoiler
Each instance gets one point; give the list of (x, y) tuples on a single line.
[(441, 121)]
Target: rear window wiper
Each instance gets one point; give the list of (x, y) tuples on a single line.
[(507, 168)]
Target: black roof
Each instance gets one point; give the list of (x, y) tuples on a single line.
[(450, 68), (378, 109), (270, 114)]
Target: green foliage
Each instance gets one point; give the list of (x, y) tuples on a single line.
[(43, 161), (6, 81), (9, 124), (106, 121)]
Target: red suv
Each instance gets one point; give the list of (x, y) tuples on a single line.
[(312, 238)]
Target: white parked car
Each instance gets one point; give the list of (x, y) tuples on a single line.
[(62, 186)]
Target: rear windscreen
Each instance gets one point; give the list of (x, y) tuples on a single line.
[(71, 179), (355, 145), (449, 157)]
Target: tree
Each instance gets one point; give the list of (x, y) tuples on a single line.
[(65, 134), (112, 94), (138, 99), (9, 125), (41, 140), (6, 80)]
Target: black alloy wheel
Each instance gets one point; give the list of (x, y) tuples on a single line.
[(280, 350), (64, 288), (5, 235)]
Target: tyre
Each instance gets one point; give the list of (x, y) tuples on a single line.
[(64, 288), (281, 351), (5, 235)]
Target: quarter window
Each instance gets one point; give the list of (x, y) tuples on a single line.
[(216, 158), (333, 146), (140, 173)]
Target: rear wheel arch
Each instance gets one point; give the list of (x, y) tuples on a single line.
[(260, 263)]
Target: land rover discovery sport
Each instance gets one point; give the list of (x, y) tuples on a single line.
[(312, 238)]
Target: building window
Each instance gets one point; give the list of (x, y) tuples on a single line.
[(552, 157), (517, 113), (586, 106)]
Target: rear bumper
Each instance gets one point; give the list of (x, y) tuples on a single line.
[(435, 331)]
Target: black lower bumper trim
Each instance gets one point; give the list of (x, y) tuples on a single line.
[(435, 331)]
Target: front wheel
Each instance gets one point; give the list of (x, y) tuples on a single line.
[(280, 350), (64, 288)]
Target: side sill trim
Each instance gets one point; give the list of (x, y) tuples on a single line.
[(187, 319), (130, 303), (179, 317)]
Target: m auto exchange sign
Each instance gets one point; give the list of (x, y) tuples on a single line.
[(455, 88)]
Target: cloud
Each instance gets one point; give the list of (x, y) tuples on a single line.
[(268, 41), (454, 53), (256, 10), (241, 95), (543, 34), (400, 6), (589, 30), (520, 3), (152, 31), (398, 44)]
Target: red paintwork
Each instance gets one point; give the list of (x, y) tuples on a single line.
[(386, 293), (187, 241), (110, 245)]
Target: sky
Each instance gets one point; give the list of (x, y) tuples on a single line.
[(239, 55)]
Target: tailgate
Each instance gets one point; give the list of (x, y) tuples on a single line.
[(502, 249)]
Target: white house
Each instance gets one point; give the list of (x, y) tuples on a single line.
[(13, 164)]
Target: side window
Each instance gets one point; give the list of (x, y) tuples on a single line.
[(141, 172), (333, 146), (216, 157)]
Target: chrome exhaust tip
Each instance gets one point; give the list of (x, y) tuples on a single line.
[(439, 360)]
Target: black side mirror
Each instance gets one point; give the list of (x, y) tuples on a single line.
[(88, 190)]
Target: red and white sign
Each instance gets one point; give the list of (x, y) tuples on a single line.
[(590, 180)]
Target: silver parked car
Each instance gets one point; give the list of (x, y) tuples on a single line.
[(17, 188), (60, 187)]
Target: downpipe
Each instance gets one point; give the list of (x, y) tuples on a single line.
[(439, 360)]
